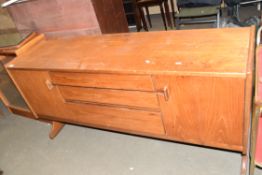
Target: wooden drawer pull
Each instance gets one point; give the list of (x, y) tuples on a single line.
[(165, 92), (49, 84)]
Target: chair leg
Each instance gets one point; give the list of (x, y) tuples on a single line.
[(173, 11), (137, 17), (237, 11), (218, 18), (172, 7), (142, 15), (163, 15), (177, 22), (148, 17), (168, 14)]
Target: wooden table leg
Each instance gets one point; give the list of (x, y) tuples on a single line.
[(56, 128)]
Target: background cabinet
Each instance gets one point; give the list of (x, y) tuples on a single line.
[(62, 18)]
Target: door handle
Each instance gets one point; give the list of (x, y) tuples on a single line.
[(164, 92), (49, 84)]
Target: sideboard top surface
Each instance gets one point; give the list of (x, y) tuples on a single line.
[(205, 51)]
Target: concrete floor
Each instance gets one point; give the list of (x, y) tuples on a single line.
[(25, 149)]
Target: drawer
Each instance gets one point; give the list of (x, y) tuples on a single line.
[(124, 98), (111, 81), (115, 118)]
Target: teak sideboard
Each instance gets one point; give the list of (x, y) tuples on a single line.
[(192, 86)]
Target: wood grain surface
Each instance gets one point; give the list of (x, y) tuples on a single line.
[(37, 92), (206, 110), (109, 81), (34, 88), (60, 15), (202, 86), (110, 117), (134, 99), (111, 16), (67, 18), (145, 53)]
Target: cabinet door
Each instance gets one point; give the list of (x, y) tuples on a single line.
[(41, 95), (203, 110)]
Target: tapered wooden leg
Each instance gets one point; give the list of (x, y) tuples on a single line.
[(167, 12), (56, 128), (142, 15), (172, 8), (137, 17), (177, 23), (148, 17), (244, 165), (163, 15)]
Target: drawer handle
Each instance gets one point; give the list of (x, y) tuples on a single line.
[(165, 92), (49, 84)]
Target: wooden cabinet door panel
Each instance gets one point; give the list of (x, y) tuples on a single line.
[(203, 110), (36, 87)]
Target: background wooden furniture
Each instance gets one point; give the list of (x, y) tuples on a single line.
[(132, 14), (159, 90), (163, 4), (110, 15), (57, 18)]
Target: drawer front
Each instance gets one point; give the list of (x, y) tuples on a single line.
[(111, 81), (115, 118), (124, 98)]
